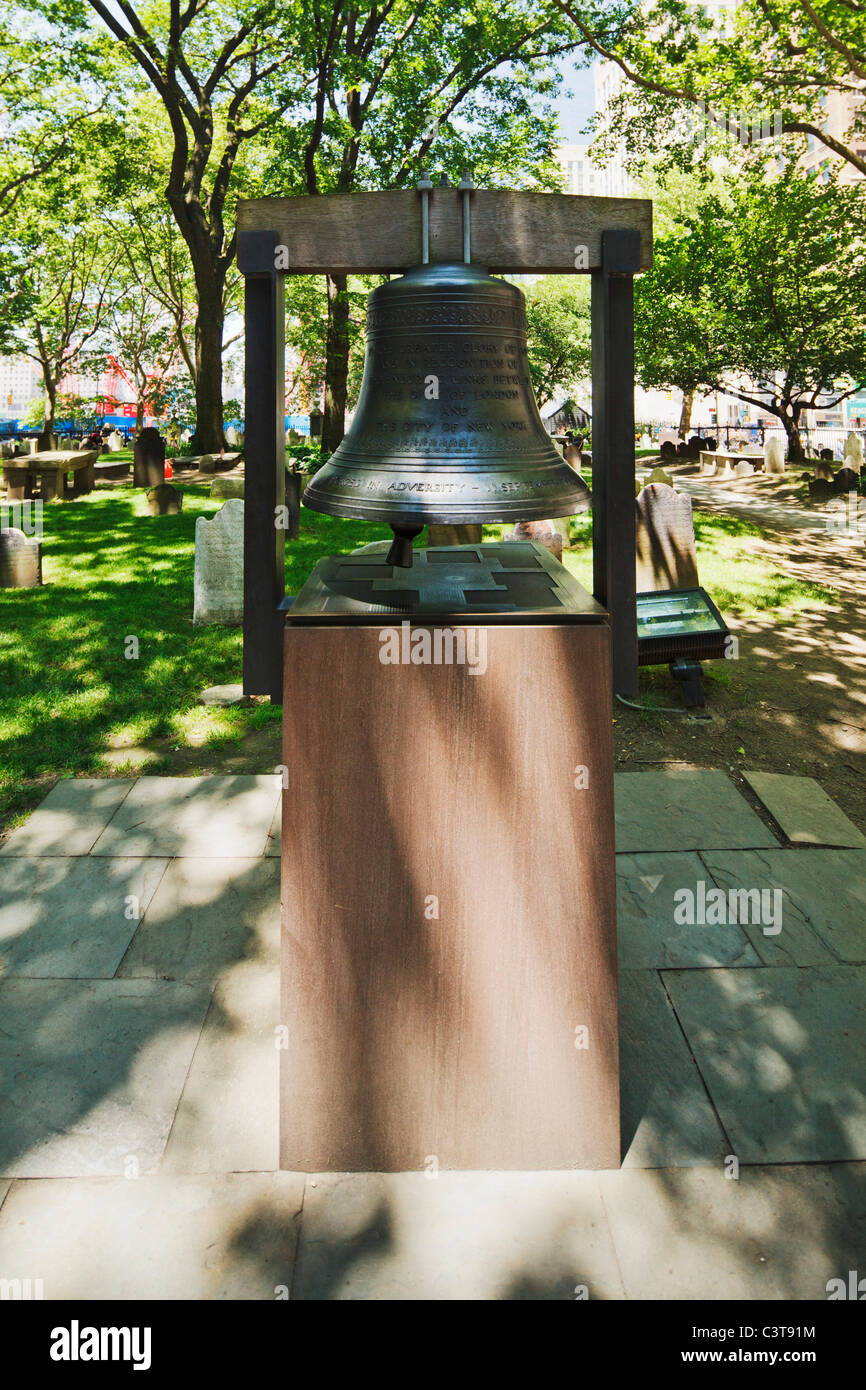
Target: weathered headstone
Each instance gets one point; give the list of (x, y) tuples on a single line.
[(148, 468), (207, 463), (854, 451), (470, 534), (823, 470), (668, 449), (744, 469), (544, 532), (219, 566), (164, 500), (665, 540), (227, 487), (820, 489), (659, 475), (774, 454), (20, 559), (846, 480)]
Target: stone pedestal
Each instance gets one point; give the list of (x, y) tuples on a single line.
[(449, 987)]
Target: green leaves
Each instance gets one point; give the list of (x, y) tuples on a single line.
[(768, 281)]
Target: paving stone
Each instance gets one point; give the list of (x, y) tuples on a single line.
[(404, 1236), (803, 809), (275, 834), (195, 816), (206, 915), (684, 809), (70, 819), (91, 1072), (772, 1233), (649, 936), (823, 916), (783, 1056), (71, 918), (231, 1236), (667, 1119), (228, 1117)]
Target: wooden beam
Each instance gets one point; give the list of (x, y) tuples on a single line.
[(541, 233), (613, 501), (265, 466)]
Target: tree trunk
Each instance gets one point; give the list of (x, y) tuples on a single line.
[(686, 413), (139, 415), (791, 421), (336, 363), (47, 436), (208, 437)]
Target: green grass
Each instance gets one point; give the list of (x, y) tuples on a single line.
[(70, 697), (68, 692)]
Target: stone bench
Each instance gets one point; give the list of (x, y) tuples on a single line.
[(53, 468)]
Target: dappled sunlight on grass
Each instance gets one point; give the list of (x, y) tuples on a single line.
[(71, 690)]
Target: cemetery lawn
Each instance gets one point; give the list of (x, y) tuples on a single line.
[(72, 703)]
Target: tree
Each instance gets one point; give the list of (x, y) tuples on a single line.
[(142, 347), (767, 286), (774, 60), (69, 287), (393, 86), (286, 96), (558, 327), (225, 74)]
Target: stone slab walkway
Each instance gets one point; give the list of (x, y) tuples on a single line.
[(139, 974)]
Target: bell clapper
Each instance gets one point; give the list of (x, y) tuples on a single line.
[(400, 553)]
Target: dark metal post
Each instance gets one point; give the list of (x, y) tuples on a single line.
[(613, 477), (265, 464)]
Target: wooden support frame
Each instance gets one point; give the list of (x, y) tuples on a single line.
[(376, 233), (265, 464), (614, 569)]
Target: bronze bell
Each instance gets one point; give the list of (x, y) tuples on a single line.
[(446, 429)]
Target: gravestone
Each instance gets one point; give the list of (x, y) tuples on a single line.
[(665, 540), (148, 468), (820, 489), (711, 444), (774, 455), (207, 463), (20, 560), (668, 449), (659, 475), (744, 469), (823, 471), (164, 500), (219, 566), (227, 487), (827, 455), (114, 442), (846, 480), (470, 534), (544, 532), (854, 451)]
